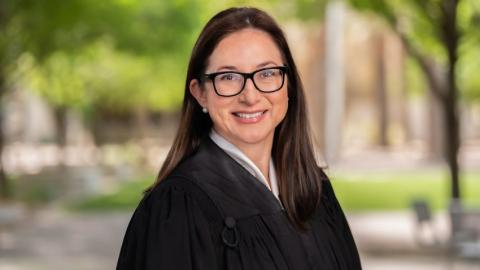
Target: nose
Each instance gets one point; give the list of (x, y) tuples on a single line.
[(250, 95)]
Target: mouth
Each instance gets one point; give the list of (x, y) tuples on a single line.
[(249, 116)]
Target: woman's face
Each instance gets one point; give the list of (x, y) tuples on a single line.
[(251, 116)]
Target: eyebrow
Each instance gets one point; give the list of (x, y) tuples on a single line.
[(263, 64), (266, 64)]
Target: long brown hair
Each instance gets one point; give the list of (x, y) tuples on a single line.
[(299, 178)]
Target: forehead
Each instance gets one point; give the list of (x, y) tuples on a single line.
[(245, 49)]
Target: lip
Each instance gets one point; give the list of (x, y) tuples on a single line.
[(249, 117)]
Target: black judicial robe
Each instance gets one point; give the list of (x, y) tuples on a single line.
[(212, 214)]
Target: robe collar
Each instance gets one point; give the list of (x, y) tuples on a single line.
[(218, 171), (234, 152)]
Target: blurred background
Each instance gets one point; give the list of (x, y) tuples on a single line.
[(90, 93)]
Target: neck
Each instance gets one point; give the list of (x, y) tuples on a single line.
[(259, 153)]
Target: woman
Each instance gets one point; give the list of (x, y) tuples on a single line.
[(240, 188)]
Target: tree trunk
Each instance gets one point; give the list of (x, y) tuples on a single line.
[(60, 114), (5, 191), (142, 123), (381, 86), (334, 78), (61, 125), (453, 144), (452, 130), (447, 92), (436, 126)]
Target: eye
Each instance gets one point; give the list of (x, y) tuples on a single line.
[(268, 73), (228, 77)]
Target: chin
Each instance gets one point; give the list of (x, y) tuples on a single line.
[(253, 138)]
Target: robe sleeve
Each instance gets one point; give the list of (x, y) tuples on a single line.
[(168, 230), (349, 248)]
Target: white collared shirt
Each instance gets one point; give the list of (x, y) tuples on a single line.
[(248, 164)]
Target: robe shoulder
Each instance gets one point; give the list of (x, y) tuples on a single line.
[(331, 226), (171, 229)]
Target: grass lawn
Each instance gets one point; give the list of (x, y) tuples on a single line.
[(126, 197), (372, 191), (396, 190)]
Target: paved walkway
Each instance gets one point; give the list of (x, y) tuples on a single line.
[(54, 239), (387, 241)]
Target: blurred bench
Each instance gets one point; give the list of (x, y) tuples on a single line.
[(425, 233), (465, 238), (10, 215)]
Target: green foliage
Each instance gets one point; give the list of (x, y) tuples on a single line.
[(117, 55), (469, 50), (57, 79), (106, 79), (42, 27), (468, 75), (8, 189), (416, 84), (146, 26), (379, 7), (34, 193), (421, 23), (113, 55), (307, 9), (418, 20)]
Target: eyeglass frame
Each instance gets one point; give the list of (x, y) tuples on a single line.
[(246, 76)]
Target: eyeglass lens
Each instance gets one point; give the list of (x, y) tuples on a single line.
[(266, 80)]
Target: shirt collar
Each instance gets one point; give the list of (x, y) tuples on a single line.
[(247, 163)]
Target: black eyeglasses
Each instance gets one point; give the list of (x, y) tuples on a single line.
[(231, 83)]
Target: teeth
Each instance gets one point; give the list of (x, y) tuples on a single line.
[(249, 115)]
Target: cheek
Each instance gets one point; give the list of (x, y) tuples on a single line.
[(218, 108), (281, 104)]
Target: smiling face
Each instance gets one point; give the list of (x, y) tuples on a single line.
[(250, 117)]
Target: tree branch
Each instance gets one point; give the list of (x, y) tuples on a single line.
[(426, 64)]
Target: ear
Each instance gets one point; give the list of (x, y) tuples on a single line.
[(198, 93)]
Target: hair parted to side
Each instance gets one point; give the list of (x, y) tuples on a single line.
[(299, 177)]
